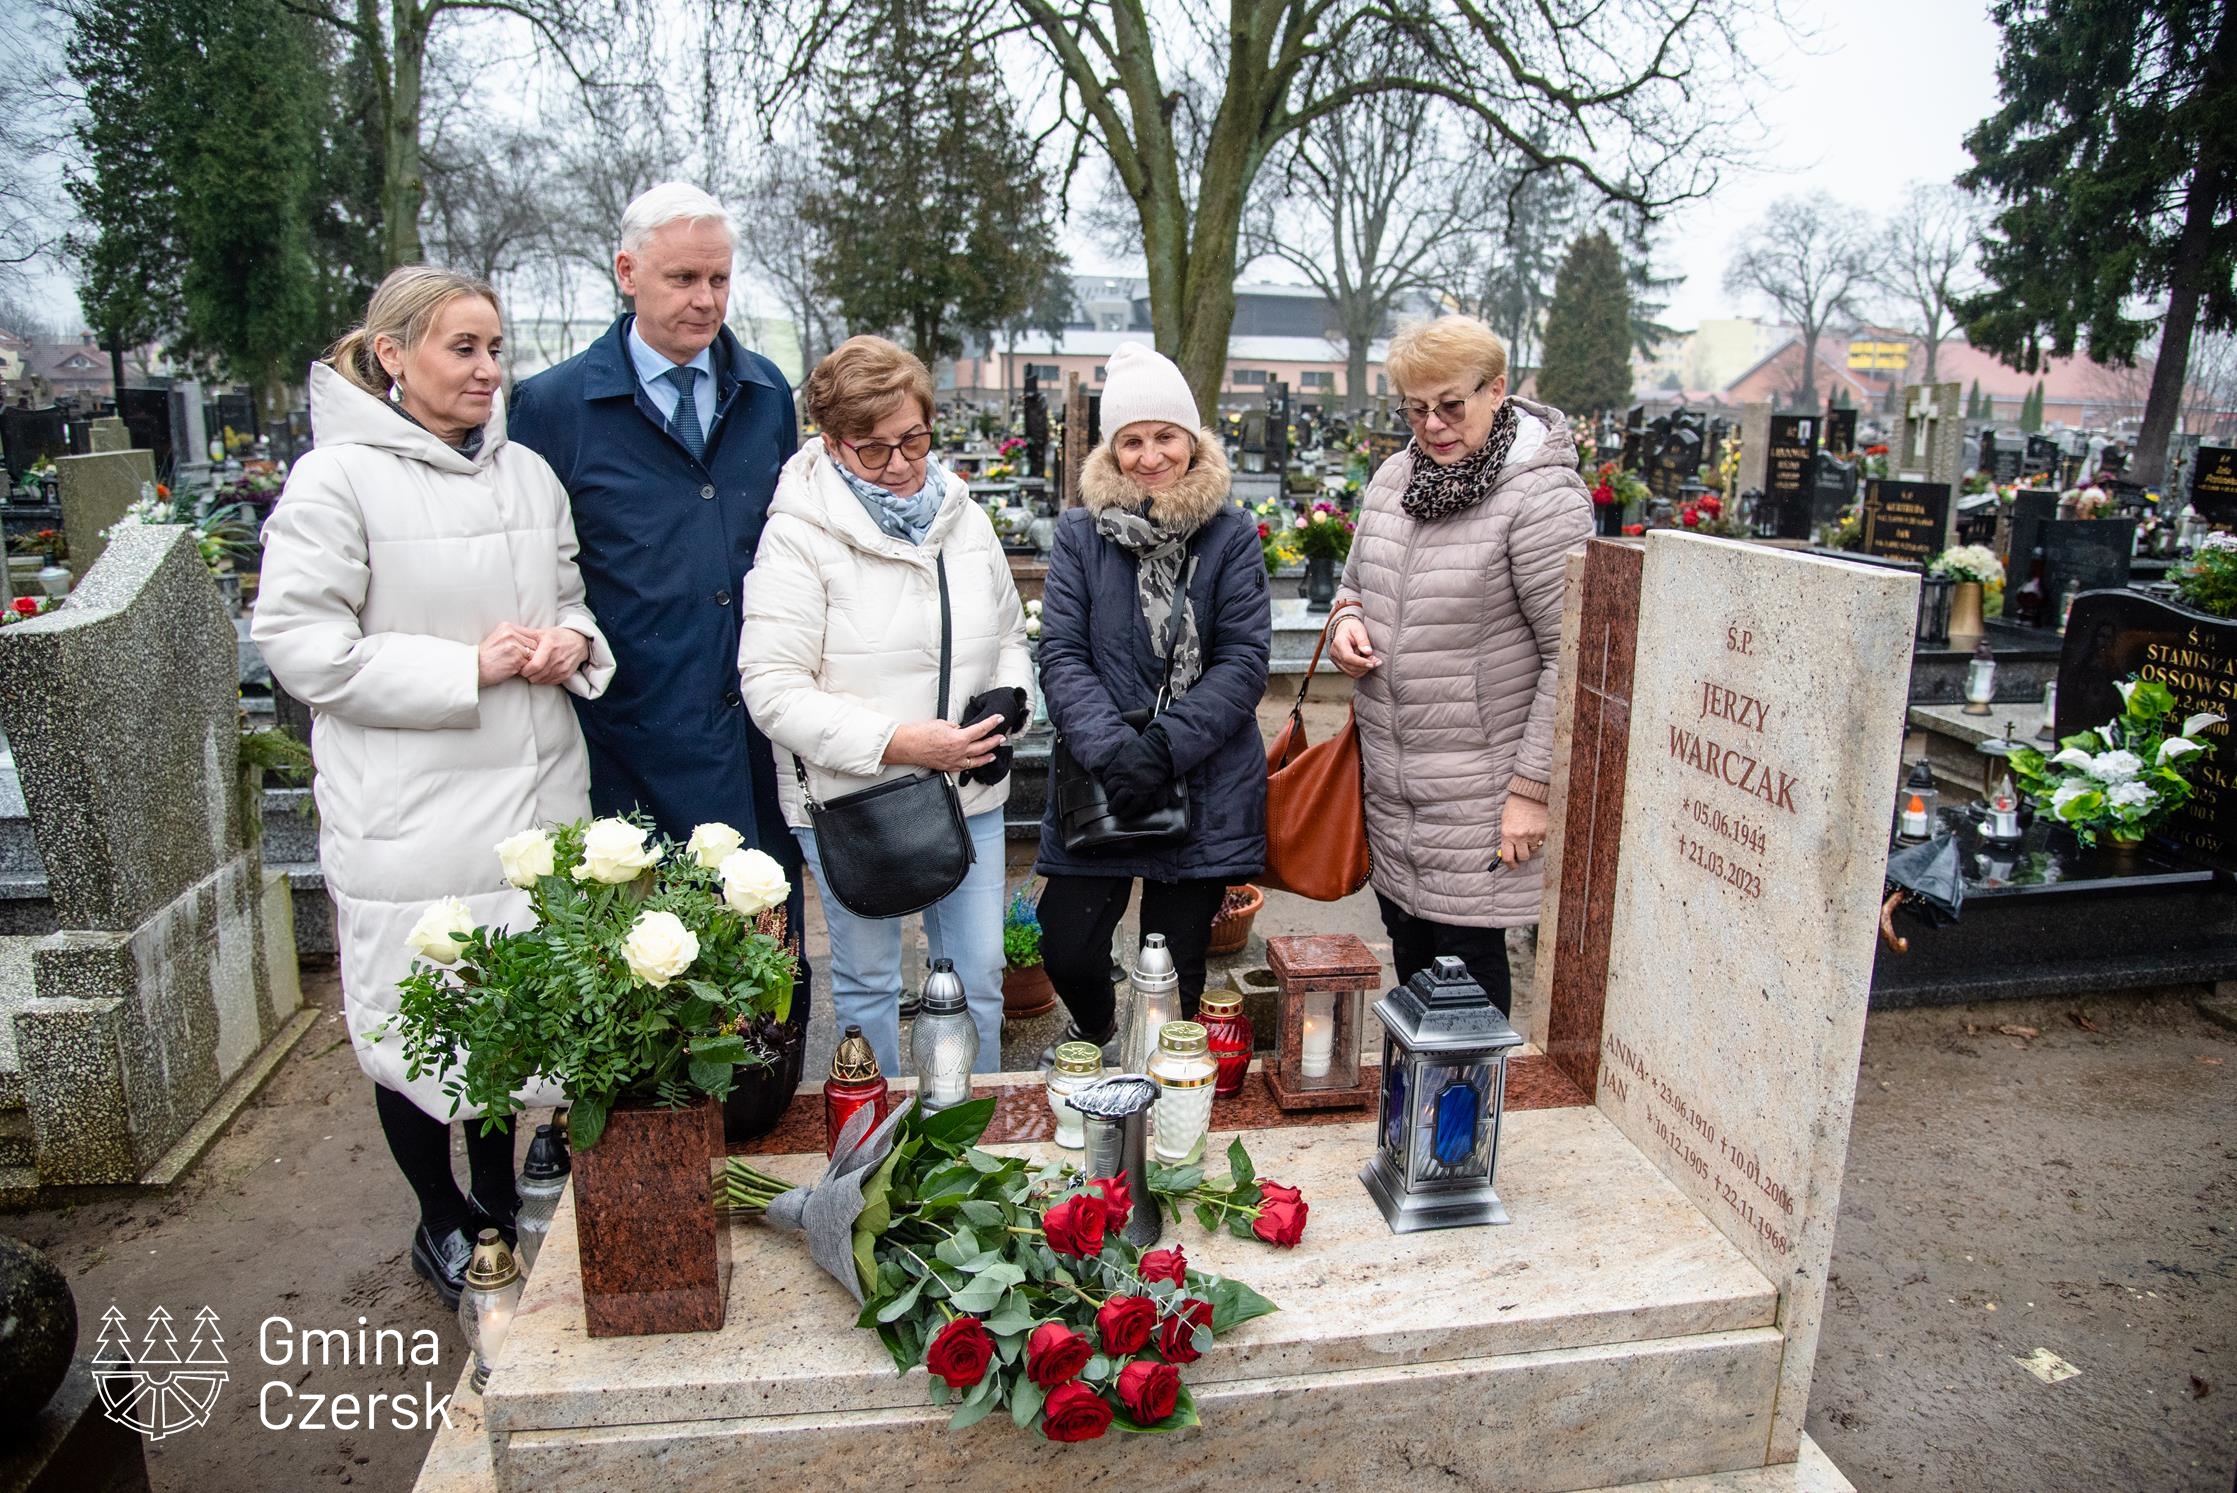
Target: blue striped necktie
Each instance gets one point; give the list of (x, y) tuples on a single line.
[(685, 422)]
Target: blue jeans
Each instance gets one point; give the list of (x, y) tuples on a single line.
[(965, 926)]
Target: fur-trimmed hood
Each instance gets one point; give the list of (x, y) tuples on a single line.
[(1186, 506)]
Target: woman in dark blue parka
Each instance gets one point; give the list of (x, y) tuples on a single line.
[(1156, 527)]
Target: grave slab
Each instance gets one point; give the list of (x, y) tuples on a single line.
[(1746, 903), (96, 489)]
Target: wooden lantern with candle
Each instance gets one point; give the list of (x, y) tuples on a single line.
[(1319, 1015)]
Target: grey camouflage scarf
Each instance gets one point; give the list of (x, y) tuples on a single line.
[(1158, 553)]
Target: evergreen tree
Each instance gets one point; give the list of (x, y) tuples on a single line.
[(126, 56), (2114, 155), (935, 220), (1587, 359), (1973, 401), (1988, 406)]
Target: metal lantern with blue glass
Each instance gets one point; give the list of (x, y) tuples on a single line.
[(1445, 1048)]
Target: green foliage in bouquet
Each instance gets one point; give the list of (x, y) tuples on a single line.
[(652, 973), (1021, 931), (2124, 777), (2208, 581)]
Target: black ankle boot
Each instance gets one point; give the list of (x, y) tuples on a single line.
[(442, 1262)]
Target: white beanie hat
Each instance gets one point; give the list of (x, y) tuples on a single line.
[(1140, 383)]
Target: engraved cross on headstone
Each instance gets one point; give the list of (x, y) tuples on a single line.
[(1923, 414)]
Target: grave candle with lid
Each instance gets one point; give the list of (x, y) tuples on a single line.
[(1318, 1020), (1444, 1084)]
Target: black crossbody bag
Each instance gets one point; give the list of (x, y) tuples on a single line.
[(899, 846), (1084, 817)]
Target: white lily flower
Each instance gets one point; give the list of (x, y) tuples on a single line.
[(2127, 689), (2176, 748), (2072, 757), (2200, 722)]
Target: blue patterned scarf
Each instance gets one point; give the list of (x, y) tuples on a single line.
[(907, 519)]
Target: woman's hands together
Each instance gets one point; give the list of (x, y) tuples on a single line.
[(944, 747), (541, 655)]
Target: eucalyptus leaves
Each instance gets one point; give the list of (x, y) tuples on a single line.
[(652, 973), (2124, 777)]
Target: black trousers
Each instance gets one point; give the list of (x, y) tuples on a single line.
[(1080, 913), (1415, 943), (421, 1145)]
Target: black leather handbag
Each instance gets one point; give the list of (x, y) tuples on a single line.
[(899, 846), (1084, 818)]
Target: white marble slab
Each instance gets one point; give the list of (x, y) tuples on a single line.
[(1767, 708), (1604, 1251)]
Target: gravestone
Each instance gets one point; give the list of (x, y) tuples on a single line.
[(1787, 473), (2213, 484), (2085, 554), (1840, 430), (1929, 437), (147, 417), (2007, 469), (2114, 634), (236, 413), (1277, 427), (1832, 489), (30, 436), (1746, 896), (2040, 456), (1755, 446), (2032, 508), (95, 492), (1635, 438), (106, 433), (175, 962), (1906, 520)]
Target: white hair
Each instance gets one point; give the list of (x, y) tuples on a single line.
[(671, 202)]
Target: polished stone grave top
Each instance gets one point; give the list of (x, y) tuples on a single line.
[(1323, 961)]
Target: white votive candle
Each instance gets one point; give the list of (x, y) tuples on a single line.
[(1320, 1035)]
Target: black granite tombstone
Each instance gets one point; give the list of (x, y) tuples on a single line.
[(147, 419), (1840, 431), (1277, 426), (2032, 508), (2086, 554), (1832, 488), (2040, 455), (1036, 427), (2213, 484), (1635, 439), (30, 436), (1787, 476), (2008, 463), (1986, 462), (1905, 520), (2114, 634), (237, 413)]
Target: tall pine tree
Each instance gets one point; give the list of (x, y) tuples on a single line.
[(2115, 158), (1587, 367)]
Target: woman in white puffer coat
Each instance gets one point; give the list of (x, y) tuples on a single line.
[(419, 593)]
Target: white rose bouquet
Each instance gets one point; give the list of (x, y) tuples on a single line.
[(2125, 777), (651, 974), (1969, 562)]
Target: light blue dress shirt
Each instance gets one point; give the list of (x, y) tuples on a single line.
[(652, 368)]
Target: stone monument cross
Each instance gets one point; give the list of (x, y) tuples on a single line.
[(1923, 413)]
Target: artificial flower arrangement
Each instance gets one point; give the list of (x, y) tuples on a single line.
[(23, 607), (1275, 534), (1033, 619), (1614, 487), (1021, 930), (1969, 562), (1323, 532), (225, 535), (2089, 502), (2208, 580), (652, 973), (1008, 1280), (2125, 777)]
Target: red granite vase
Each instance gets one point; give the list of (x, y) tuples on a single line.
[(655, 1257)]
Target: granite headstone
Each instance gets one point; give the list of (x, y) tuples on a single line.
[(30, 436), (2213, 483), (1906, 520), (2086, 554), (1929, 436), (95, 492), (1788, 480), (1840, 430)]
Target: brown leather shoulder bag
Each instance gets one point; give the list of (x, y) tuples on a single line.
[(1316, 819)]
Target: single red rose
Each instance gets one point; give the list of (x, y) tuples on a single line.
[(26, 606), (1712, 505), (1692, 517), (1263, 530), (1075, 1226), (1054, 1354), (1275, 1192), (1149, 1391), (1280, 1223), (1176, 1335), (1634, 530), (1165, 1264), (960, 1353), (1118, 1201), (1603, 495), (1124, 1323), (1073, 1412), (162, 491)]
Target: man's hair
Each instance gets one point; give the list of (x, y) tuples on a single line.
[(670, 202)]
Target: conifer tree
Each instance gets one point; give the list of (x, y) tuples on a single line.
[(1587, 365)]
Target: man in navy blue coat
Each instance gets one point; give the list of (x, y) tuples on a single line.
[(668, 434)]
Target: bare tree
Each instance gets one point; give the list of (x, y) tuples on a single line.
[(1811, 258), (34, 123), (1932, 246), (1503, 272), (1634, 97), (777, 245)]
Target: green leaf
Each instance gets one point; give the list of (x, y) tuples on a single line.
[(980, 1211), (1208, 1216), (982, 1294), (958, 1126), (713, 1077), (1013, 1318), (1025, 1402), (899, 1306), (972, 1411), (865, 1258), (897, 1349), (729, 1048), (1234, 1303), (1240, 1172), (1184, 1415), (586, 1121)]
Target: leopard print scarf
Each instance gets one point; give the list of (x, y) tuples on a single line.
[(1440, 492)]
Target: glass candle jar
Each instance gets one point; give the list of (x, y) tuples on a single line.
[(1228, 1034), (855, 1082), (1184, 1073), (1318, 1047), (1079, 1065), (943, 1041)]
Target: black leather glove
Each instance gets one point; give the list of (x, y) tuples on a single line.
[(1135, 778), (1007, 702)]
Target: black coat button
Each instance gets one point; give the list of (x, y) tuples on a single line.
[(722, 598), (731, 698)]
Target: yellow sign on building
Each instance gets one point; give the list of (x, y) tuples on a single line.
[(1879, 355)]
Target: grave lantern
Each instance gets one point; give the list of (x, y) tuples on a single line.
[(1319, 1015), (1444, 1084), (1980, 679)]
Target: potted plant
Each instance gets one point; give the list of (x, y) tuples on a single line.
[(2208, 581), (651, 975), (1324, 537), (1975, 569), (2124, 778), (1026, 987), (1231, 927)]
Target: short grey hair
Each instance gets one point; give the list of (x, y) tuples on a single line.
[(671, 202)]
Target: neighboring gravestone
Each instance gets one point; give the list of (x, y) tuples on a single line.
[(1787, 474), (1746, 901), (95, 492), (1906, 520), (2085, 554), (2032, 508), (2213, 484), (2113, 635), (106, 433), (1929, 436), (147, 416), (32, 436), (2040, 456), (1832, 489), (175, 963), (1755, 446), (2007, 470), (1840, 430), (1635, 438)]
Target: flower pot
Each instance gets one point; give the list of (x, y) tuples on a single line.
[(1967, 626), (1232, 930), (655, 1258), (1320, 583), (758, 1099), (1610, 516), (1027, 991)]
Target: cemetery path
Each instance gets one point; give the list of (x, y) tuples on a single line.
[(2090, 1174), (2074, 1190)]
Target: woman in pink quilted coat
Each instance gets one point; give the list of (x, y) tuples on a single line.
[(1449, 619)]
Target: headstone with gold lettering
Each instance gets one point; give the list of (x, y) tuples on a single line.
[(1767, 695), (2112, 635), (1906, 520), (2213, 483)]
